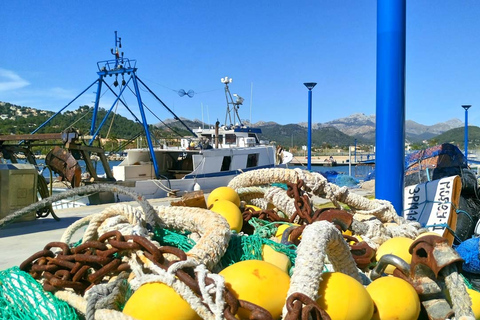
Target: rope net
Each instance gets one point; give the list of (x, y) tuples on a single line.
[(22, 297)]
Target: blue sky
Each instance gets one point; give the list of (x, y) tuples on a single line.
[(50, 50)]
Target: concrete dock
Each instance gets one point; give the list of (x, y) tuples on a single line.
[(20, 240)]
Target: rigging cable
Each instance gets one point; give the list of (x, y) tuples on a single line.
[(181, 92), (166, 125)]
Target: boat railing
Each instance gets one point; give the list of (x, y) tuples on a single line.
[(117, 64)]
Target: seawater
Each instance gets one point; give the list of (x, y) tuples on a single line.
[(97, 165), (357, 171)]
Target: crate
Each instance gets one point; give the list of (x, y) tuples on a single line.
[(18, 189)]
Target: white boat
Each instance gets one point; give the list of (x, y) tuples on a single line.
[(207, 161)]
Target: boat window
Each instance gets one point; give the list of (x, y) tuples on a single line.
[(252, 160), (253, 135), (226, 163), (220, 139), (230, 139)]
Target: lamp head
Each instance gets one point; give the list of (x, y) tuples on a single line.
[(466, 106), (310, 85)]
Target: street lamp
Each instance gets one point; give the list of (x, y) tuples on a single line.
[(310, 86), (466, 107)]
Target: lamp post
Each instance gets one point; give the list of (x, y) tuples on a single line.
[(355, 151), (466, 107), (310, 86)]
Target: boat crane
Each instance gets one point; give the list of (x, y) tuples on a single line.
[(127, 70)]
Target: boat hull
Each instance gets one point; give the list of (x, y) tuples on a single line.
[(161, 188)]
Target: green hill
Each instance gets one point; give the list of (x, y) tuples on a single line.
[(457, 136)]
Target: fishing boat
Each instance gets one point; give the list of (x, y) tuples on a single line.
[(209, 158)]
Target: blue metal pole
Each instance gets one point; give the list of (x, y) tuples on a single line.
[(60, 111), (97, 102), (310, 86), (466, 107), (108, 113), (145, 126), (309, 137), (390, 113)]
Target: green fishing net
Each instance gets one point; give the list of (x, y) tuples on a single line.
[(240, 247), (22, 297)]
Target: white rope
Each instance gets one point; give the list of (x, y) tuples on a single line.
[(132, 214), (261, 203), (279, 198), (217, 288), (213, 228), (161, 186), (160, 275), (319, 239)]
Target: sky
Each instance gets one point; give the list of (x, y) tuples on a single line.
[(50, 51)]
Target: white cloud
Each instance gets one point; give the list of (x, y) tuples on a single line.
[(9, 80)]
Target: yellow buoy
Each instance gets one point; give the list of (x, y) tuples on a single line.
[(430, 233), (258, 282), (276, 258), (281, 229), (397, 246), (254, 208), (158, 301), (394, 298), (475, 297), (223, 193), (344, 298), (230, 212)]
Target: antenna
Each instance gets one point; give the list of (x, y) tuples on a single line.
[(251, 101), (208, 117), (235, 104)]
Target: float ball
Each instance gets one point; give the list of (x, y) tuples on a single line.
[(344, 298), (258, 282), (223, 193), (394, 298), (158, 301), (230, 212), (397, 246)]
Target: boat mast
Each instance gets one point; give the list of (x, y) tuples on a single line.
[(121, 66), (235, 105)]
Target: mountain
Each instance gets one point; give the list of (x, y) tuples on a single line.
[(340, 132), (359, 125)]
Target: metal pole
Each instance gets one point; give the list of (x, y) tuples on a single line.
[(145, 127), (466, 107), (355, 151), (310, 86), (309, 138), (390, 112), (349, 161)]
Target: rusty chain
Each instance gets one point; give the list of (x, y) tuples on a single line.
[(301, 307), (88, 264)]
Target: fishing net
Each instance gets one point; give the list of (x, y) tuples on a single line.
[(249, 247), (168, 237), (240, 248), (22, 297), (443, 155)]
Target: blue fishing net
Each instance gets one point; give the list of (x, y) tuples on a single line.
[(469, 251)]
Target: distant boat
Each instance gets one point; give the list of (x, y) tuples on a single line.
[(207, 161)]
